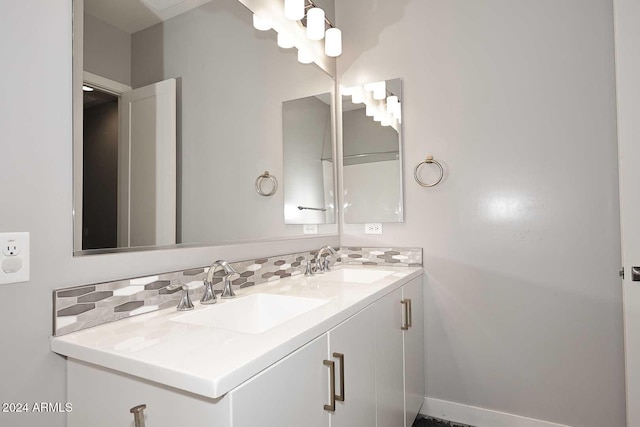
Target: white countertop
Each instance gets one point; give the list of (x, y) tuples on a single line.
[(210, 361)]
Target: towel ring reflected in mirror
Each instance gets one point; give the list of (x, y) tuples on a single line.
[(428, 160), (260, 180)]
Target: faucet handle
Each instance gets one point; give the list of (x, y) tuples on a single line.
[(185, 303), (308, 271), (227, 290), (209, 296)]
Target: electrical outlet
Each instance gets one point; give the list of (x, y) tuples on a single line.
[(14, 259), (11, 247), (373, 228), (310, 229)]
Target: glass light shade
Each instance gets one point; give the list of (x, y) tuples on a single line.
[(315, 23), (386, 120), (392, 101), (304, 57), (261, 24), (380, 90), (294, 9), (357, 96), (284, 41), (379, 115), (333, 42), (346, 91), (369, 110)]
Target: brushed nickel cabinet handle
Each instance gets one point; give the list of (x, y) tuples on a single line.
[(331, 407), (138, 415), (340, 357), (410, 316), (405, 325)]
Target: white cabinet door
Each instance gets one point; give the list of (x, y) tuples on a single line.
[(414, 351), (355, 339), (389, 361), (103, 398), (291, 393)]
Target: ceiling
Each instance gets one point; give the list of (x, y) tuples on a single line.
[(132, 16)]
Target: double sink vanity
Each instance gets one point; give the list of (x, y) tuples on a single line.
[(342, 348)]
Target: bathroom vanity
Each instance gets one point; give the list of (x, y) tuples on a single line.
[(344, 348)]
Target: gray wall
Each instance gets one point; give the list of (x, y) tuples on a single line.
[(521, 240), (107, 50), (36, 153)]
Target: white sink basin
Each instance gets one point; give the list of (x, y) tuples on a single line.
[(353, 275), (252, 314)]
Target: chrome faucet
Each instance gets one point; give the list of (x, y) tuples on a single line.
[(324, 265), (209, 296)]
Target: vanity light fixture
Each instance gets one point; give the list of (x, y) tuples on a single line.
[(333, 42), (294, 9), (86, 88), (314, 18), (261, 24), (315, 23)]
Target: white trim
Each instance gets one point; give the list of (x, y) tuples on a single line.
[(105, 84), (478, 417)]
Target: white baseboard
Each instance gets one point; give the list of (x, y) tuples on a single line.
[(478, 417)]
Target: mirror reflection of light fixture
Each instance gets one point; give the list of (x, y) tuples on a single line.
[(86, 88), (284, 41), (304, 57), (357, 95), (384, 109), (379, 89), (261, 24)]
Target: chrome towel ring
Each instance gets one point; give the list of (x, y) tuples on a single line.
[(428, 160), (274, 184)]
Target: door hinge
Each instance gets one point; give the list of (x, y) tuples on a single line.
[(621, 273)]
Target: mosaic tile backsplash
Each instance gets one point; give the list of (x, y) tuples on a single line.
[(91, 305)]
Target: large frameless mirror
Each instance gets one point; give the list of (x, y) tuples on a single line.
[(181, 112), (372, 152)]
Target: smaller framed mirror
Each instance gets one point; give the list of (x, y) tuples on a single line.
[(372, 152), (308, 160)]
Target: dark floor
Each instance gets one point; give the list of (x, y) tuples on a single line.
[(433, 422)]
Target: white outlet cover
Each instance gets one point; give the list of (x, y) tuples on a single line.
[(14, 258), (373, 228), (310, 229)]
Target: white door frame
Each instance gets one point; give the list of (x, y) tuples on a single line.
[(627, 51), (105, 85)]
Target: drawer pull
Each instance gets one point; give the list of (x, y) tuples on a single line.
[(331, 407), (407, 314), (138, 415), (340, 357), (410, 313)]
